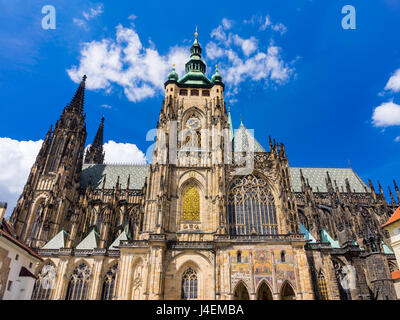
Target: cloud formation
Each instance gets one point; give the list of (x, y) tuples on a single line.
[(16, 160), (141, 71), (123, 153), (89, 15), (242, 59), (386, 115), (394, 82)]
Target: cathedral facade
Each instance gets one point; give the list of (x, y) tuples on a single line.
[(213, 216)]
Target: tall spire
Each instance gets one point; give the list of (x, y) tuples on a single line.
[(79, 97), (95, 153)]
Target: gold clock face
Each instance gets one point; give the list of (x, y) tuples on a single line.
[(193, 123)]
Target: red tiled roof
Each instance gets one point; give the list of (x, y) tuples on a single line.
[(393, 218), (8, 232), (396, 275)]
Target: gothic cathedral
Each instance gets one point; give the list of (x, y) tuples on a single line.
[(213, 216)]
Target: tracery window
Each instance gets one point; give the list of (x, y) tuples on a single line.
[(323, 288), (36, 221), (109, 283), (189, 285), (251, 207), (79, 283), (44, 283), (191, 204)]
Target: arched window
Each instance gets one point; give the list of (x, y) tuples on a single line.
[(44, 283), (36, 221), (109, 284), (191, 204), (189, 284), (323, 289), (251, 207), (283, 256), (78, 283), (239, 257), (93, 215)]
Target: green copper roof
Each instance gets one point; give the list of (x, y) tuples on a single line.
[(110, 172), (243, 139), (327, 238), (90, 242), (386, 249), (57, 242), (195, 68), (308, 235), (121, 237), (316, 178)]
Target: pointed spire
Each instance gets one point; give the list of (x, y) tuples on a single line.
[(79, 97), (95, 153), (392, 196), (397, 190)]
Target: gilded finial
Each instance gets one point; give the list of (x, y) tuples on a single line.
[(196, 34)]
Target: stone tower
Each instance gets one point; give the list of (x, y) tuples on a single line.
[(52, 187), (95, 153)]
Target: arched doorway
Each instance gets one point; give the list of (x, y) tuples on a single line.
[(241, 292), (264, 292), (287, 292)]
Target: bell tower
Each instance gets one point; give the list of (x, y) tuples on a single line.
[(187, 178), (52, 186)]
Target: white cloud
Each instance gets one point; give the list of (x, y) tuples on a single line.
[(88, 15), (123, 153), (16, 160), (227, 24), (397, 139), (394, 82), (387, 114), (241, 59), (266, 23), (125, 62), (93, 12)]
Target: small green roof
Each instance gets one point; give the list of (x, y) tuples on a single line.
[(115, 244), (90, 242), (327, 238), (308, 235), (57, 242), (386, 249)]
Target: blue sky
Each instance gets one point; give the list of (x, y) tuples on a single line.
[(317, 91)]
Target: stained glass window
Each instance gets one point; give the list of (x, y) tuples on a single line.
[(79, 283), (191, 204), (323, 289), (109, 284), (251, 207), (189, 285), (44, 283)]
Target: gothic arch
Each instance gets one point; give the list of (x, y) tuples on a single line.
[(193, 112), (287, 291), (34, 218), (79, 282), (322, 286), (251, 206), (264, 291), (46, 274), (190, 195), (241, 291), (137, 279), (109, 282)]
